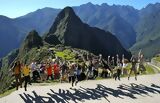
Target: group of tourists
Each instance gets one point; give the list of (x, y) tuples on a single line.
[(71, 71)]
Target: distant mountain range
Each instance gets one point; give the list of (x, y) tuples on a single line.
[(9, 36), (148, 31), (134, 28), (66, 31)]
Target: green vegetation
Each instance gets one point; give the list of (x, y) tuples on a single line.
[(44, 53), (7, 92), (5, 72), (157, 58), (149, 47), (66, 55), (149, 69), (36, 54)]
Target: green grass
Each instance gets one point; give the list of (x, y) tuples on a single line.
[(157, 59), (128, 66), (66, 54), (60, 54), (52, 81), (99, 78), (149, 69), (7, 92)]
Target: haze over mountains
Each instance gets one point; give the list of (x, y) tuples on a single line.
[(9, 35), (136, 29)]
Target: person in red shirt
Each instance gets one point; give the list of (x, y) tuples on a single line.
[(56, 70), (49, 71)]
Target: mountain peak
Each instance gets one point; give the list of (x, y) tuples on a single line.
[(32, 35), (104, 4), (67, 16), (67, 12), (32, 40), (71, 31), (153, 6), (89, 3), (68, 9)]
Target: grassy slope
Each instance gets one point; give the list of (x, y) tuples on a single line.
[(150, 48), (149, 69), (66, 54), (157, 58)]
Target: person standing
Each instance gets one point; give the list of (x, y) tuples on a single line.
[(90, 70), (117, 60), (95, 68), (141, 63), (84, 69), (71, 73), (63, 69), (42, 71), (133, 68), (118, 73), (108, 61), (17, 74), (49, 71), (100, 57), (35, 73), (123, 64), (118, 67), (56, 69), (112, 63), (26, 73), (78, 73)]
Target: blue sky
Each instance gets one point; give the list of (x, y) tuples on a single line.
[(15, 8)]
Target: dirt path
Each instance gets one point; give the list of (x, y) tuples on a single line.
[(145, 90)]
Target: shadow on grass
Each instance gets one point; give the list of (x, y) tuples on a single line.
[(101, 91)]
